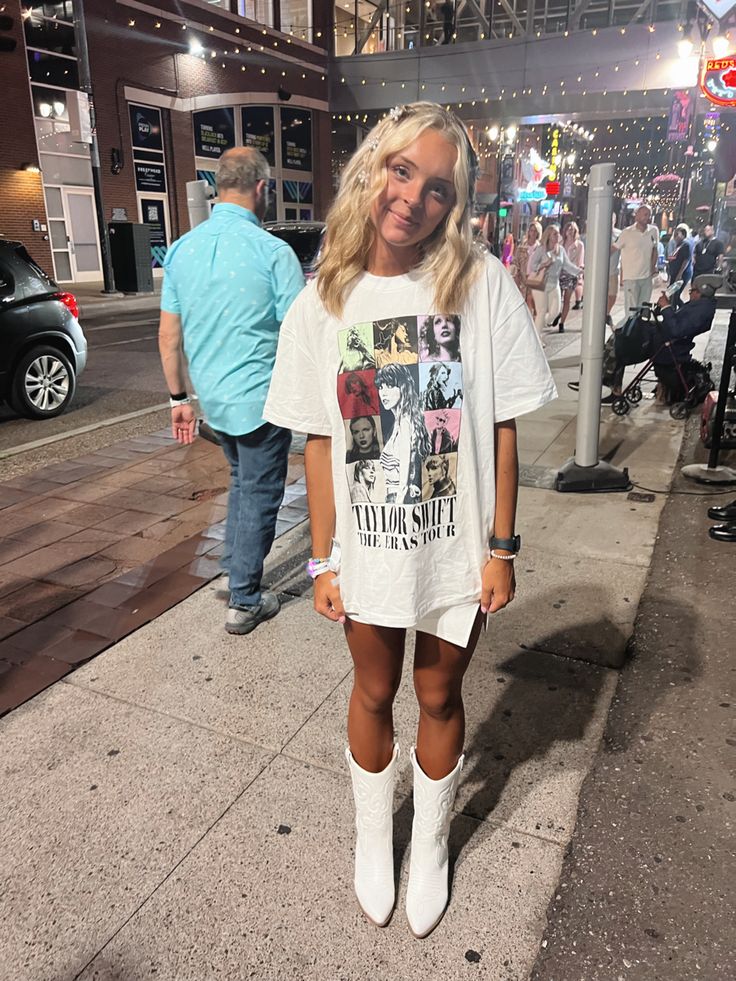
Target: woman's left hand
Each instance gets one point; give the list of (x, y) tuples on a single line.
[(498, 585)]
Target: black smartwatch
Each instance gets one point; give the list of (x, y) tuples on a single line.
[(507, 544)]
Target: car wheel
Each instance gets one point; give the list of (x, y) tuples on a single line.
[(43, 383)]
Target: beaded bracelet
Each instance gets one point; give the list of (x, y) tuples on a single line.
[(316, 567), (505, 558)]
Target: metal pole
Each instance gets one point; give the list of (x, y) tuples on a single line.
[(85, 83), (585, 472), (711, 218), (198, 204)]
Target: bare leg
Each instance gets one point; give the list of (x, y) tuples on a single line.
[(567, 295), (378, 656), (439, 668)]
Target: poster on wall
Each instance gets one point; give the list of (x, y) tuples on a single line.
[(296, 139), (258, 130), (145, 128), (154, 215), (298, 192), (678, 126), (214, 132), (150, 177)]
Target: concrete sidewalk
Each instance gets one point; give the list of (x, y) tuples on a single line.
[(94, 303), (180, 807)]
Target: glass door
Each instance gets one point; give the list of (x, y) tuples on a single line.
[(81, 224)]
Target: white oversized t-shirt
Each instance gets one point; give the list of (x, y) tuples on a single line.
[(410, 400)]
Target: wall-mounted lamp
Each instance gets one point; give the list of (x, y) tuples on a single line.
[(31, 168)]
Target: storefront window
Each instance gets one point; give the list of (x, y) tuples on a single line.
[(260, 11), (49, 35), (61, 10), (53, 69), (296, 18)]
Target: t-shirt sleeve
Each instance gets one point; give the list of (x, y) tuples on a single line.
[(522, 381), (288, 279), (169, 299), (295, 399)]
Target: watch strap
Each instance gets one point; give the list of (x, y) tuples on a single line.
[(508, 544)]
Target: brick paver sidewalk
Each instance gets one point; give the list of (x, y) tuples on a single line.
[(93, 548)]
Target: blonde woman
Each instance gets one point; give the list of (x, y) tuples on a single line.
[(399, 243), (575, 249), (529, 244), (551, 259)]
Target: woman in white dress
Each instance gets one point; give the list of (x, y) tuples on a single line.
[(399, 243)]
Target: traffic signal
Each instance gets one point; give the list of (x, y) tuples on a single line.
[(6, 43)]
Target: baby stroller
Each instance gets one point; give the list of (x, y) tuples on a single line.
[(640, 340)]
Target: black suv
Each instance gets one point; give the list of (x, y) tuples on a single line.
[(42, 347), (305, 238)]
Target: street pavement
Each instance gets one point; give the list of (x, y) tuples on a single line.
[(179, 806)]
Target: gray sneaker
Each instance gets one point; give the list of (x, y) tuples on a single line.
[(242, 621)]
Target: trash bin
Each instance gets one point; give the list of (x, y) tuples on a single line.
[(130, 251)]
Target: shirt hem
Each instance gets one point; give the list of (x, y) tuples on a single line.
[(382, 620), (524, 407), (298, 425)]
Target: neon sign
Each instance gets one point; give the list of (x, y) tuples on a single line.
[(718, 80), (533, 194)]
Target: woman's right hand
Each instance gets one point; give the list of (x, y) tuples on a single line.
[(327, 599)]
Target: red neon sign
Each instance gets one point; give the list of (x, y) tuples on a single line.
[(552, 188), (718, 80)]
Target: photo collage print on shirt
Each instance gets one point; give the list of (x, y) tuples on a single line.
[(400, 390)]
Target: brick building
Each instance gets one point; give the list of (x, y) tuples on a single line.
[(174, 85)]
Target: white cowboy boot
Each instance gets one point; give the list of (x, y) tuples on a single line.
[(426, 897), (374, 846)]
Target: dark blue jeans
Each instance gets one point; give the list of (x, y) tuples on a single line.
[(258, 464)]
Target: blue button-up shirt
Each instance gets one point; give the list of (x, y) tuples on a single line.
[(231, 283)]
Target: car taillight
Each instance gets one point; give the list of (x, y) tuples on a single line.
[(70, 302)]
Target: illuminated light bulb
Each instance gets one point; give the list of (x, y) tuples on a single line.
[(196, 48), (59, 108), (511, 134), (684, 47), (45, 109), (492, 133), (712, 144), (721, 46)]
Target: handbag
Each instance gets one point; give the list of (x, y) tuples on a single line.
[(535, 280), (638, 338)]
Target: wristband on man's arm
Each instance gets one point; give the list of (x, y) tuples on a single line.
[(181, 399)]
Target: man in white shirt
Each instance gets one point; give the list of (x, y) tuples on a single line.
[(638, 247)]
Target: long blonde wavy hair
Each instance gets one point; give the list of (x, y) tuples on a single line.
[(450, 260)]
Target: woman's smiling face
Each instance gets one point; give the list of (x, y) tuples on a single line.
[(419, 192)]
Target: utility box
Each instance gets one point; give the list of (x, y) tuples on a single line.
[(130, 251)]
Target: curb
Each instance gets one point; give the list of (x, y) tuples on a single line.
[(150, 302)]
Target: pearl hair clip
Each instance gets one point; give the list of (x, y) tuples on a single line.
[(397, 112)]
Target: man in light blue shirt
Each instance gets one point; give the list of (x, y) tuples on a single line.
[(227, 286)]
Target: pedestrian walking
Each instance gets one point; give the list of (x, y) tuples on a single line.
[(522, 258), (707, 254), (680, 265), (435, 554), (550, 261), (569, 285), (227, 287), (638, 247)]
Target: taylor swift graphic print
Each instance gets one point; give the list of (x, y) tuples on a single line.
[(400, 392)]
